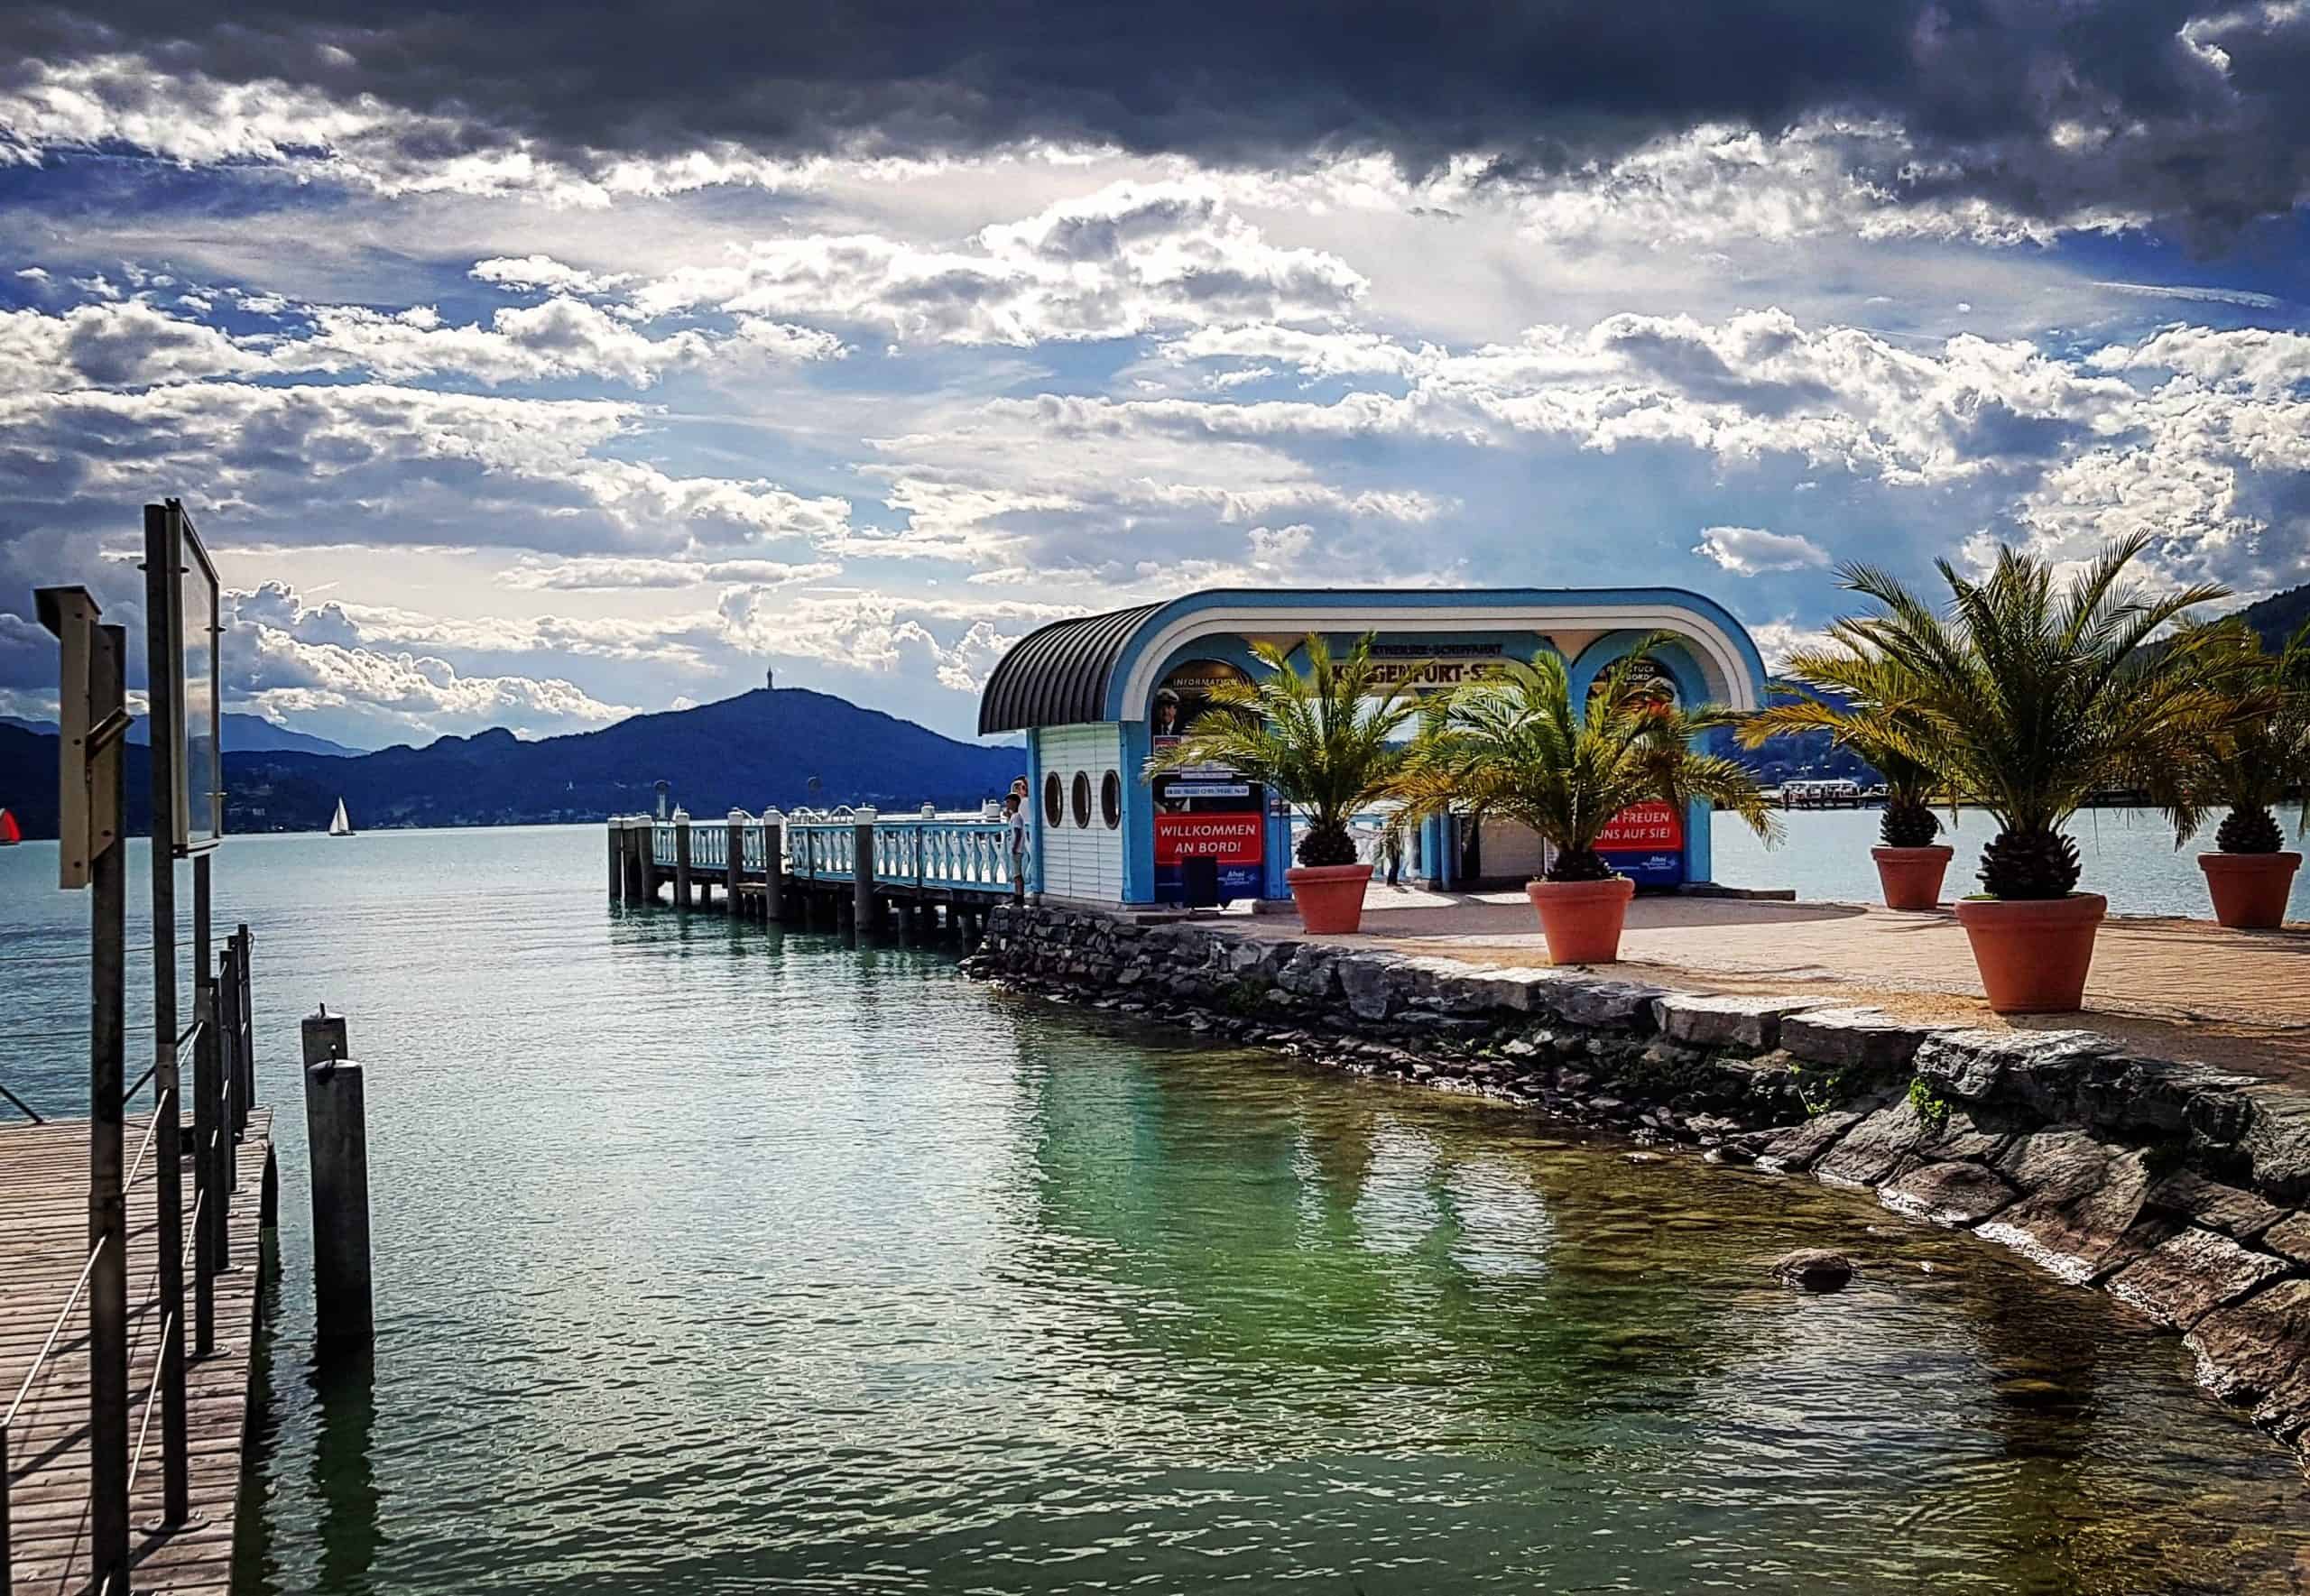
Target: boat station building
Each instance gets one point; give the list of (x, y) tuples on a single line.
[(1098, 695)]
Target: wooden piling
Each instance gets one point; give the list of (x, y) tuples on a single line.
[(861, 877), (617, 830), (337, 1135), (107, 1331), (681, 862), (773, 875), (733, 858)]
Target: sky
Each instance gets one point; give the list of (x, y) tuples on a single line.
[(538, 366)]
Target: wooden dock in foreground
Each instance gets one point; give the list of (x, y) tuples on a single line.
[(43, 1245)]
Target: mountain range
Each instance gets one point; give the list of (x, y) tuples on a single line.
[(243, 733), (787, 747)]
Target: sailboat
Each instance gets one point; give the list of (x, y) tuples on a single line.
[(338, 824), (11, 833)]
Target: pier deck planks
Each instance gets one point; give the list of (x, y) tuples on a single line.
[(43, 1242)]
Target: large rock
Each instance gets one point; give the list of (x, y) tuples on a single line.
[(1704, 1021), (1312, 972), (1514, 990), (1813, 1269), (2187, 1277), (2213, 1205), (2290, 1236), (1955, 1194), (2256, 1352), (1368, 981), (2036, 1070), (1851, 1038), (1886, 1139), (1800, 1146), (2276, 1142), (1600, 1005), (2081, 1197)]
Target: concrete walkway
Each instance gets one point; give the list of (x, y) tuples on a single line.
[(2171, 988)]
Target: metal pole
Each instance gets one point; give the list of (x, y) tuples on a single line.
[(225, 1160), (108, 1216), (245, 1011), (162, 713)]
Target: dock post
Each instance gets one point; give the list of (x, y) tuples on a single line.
[(107, 1331), (244, 1055), (645, 859), (616, 829), (637, 861), (862, 879), (337, 1131), (774, 865), (681, 861), (734, 861)]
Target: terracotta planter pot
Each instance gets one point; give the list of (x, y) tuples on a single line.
[(1330, 897), (1911, 877), (2250, 890), (2033, 954), (1582, 920)]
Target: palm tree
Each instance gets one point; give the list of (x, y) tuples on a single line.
[(1875, 723), (2263, 753), (1510, 744), (2029, 702), (1323, 738)]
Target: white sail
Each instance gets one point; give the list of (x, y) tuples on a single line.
[(340, 825)]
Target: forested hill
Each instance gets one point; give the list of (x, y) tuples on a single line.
[(2280, 615), (786, 747)]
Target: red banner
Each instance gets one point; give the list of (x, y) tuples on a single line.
[(1644, 827), (1231, 839)]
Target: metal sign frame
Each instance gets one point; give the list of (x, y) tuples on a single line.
[(173, 551)]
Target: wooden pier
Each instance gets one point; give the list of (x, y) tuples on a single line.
[(43, 1251), (923, 875)]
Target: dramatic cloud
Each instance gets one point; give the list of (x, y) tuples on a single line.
[(2167, 107), (1110, 265), (1746, 551)]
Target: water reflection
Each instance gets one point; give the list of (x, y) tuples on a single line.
[(712, 1258)]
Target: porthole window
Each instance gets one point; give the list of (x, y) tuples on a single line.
[(1082, 800), (1054, 799), (1111, 799)]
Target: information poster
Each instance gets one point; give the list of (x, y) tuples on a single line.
[(1646, 843), (1206, 816)]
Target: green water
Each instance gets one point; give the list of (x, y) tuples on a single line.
[(713, 1260)]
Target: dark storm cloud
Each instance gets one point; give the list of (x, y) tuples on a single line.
[(2049, 107)]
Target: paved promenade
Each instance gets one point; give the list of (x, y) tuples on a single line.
[(2174, 988)]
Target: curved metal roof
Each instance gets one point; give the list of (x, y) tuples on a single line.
[(1058, 676)]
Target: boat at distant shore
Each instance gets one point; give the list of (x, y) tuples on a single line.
[(11, 834), (339, 826)]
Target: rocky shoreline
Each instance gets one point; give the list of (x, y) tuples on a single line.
[(2182, 1191)]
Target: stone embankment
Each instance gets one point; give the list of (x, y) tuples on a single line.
[(2180, 1190)]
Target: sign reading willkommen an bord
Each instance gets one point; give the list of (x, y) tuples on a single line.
[(1209, 813)]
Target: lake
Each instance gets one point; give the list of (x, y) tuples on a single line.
[(712, 1258), (2129, 857)]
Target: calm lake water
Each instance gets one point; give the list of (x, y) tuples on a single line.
[(711, 1260), (2129, 857)]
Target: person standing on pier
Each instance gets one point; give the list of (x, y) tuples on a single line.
[(1015, 822)]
